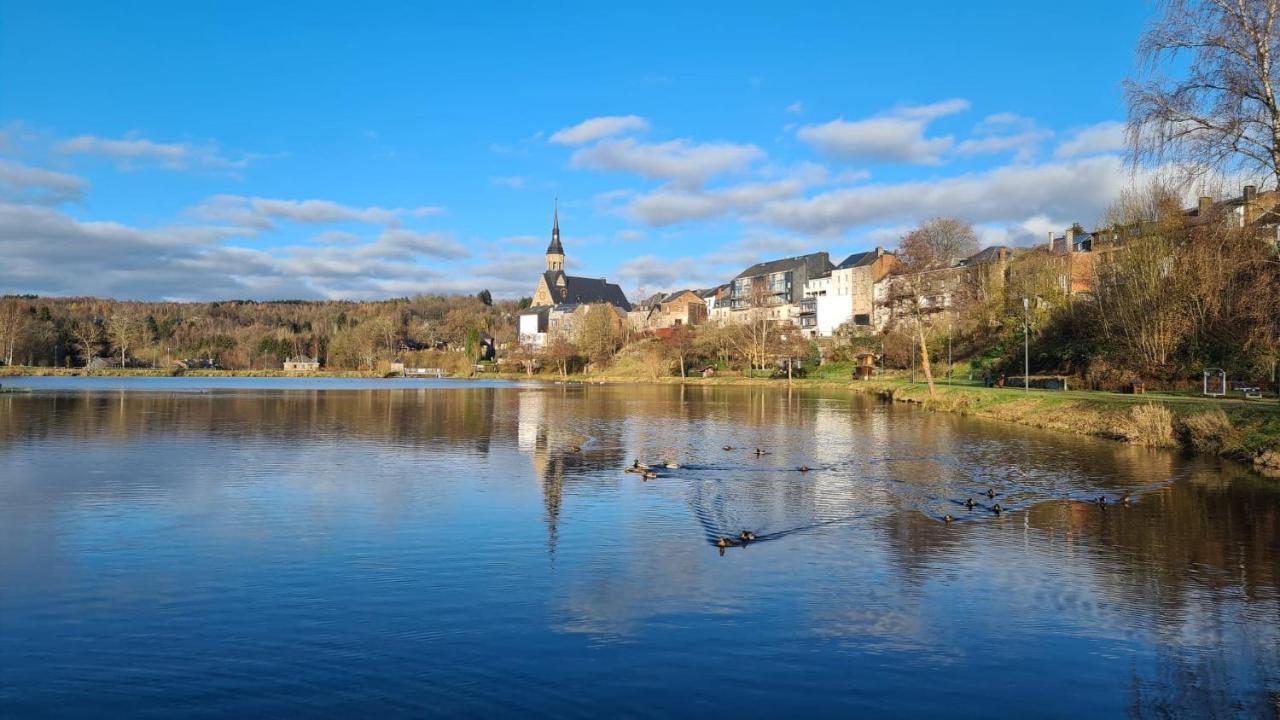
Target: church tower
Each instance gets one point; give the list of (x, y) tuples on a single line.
[(555, 253)]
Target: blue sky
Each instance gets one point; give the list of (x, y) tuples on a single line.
[(371, 150)]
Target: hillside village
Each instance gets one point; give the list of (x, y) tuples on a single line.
[(872, 292)]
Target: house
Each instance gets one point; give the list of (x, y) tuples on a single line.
[(939, 290), (301, 363), (717, 302), (558, 296), (775, 288), (847, 294), (666, 310)]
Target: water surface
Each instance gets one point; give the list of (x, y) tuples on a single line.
[(346, 547)]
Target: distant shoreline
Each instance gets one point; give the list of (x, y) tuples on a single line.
[(1245, 431)]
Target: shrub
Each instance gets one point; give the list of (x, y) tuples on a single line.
[(1150, 425), (1206, 432)]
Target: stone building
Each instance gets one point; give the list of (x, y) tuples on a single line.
[(559, 297)]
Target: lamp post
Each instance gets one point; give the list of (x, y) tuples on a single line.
[(949, 368), (1026, 344), (913, 358)]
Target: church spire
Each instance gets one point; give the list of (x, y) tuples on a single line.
[(555, 251)]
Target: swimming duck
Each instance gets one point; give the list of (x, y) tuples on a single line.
[(1102, 501), (947, 518), (803, 468), (672, 466), (760, 452), (970, 504), (991, 493), (724, 542), (997, 509), (1126, 500), (649, 475), (746, 536), (631, 470), (728, 448)]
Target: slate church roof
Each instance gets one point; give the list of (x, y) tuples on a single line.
[(584, 290)]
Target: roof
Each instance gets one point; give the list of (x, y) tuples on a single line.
[(858, 260), (773, 266), (987, 255), (302, 359), (673, 295), (586, 290), (555, 248)]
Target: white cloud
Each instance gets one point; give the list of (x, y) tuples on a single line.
[(597, 128), (1104, 137), (23, 183), (629, 235), (261, 213), (1023, 144), (795, 108), (660, 272), (667, 206), (1079, 189), (680, 162), (896, 137), (131, 151)]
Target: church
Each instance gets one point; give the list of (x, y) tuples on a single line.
[(560, 298)]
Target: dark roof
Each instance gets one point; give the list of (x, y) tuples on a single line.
[(555, 247), (582, 290), (988, 255), (783, 265), (673, 295), (858, 260)]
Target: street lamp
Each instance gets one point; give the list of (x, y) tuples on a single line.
[(1026, 345)]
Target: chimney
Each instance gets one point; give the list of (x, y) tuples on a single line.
[(1205, 206), (1051, 248), (1070, 239), (1250, 193), (879, 251)]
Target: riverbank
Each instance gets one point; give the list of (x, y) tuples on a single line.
[(1244, 430), (1247, 431)]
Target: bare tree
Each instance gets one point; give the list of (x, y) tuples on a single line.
[(1222, 114), (124, 328), (599, 334), (88, 337), (934, 245), (14, 326)]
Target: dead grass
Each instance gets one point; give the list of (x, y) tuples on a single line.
[(1205, 432)]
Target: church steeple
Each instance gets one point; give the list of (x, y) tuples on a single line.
[(555, 252)]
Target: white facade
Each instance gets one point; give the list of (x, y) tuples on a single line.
[(833, 300), (530, 333)]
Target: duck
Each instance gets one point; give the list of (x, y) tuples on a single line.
[(746, 536), (727, 448), (947, 518), (760, 452), (724, 542), (649, 475), (1126, 500), (997, 509), (803, 468), (1102, 501), (672, 466), (969, 504), (639, 465), (991, 493), (632, 470)]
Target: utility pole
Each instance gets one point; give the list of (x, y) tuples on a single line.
[(1026, 344)]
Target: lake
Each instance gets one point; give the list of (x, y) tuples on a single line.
[(339, 548)]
